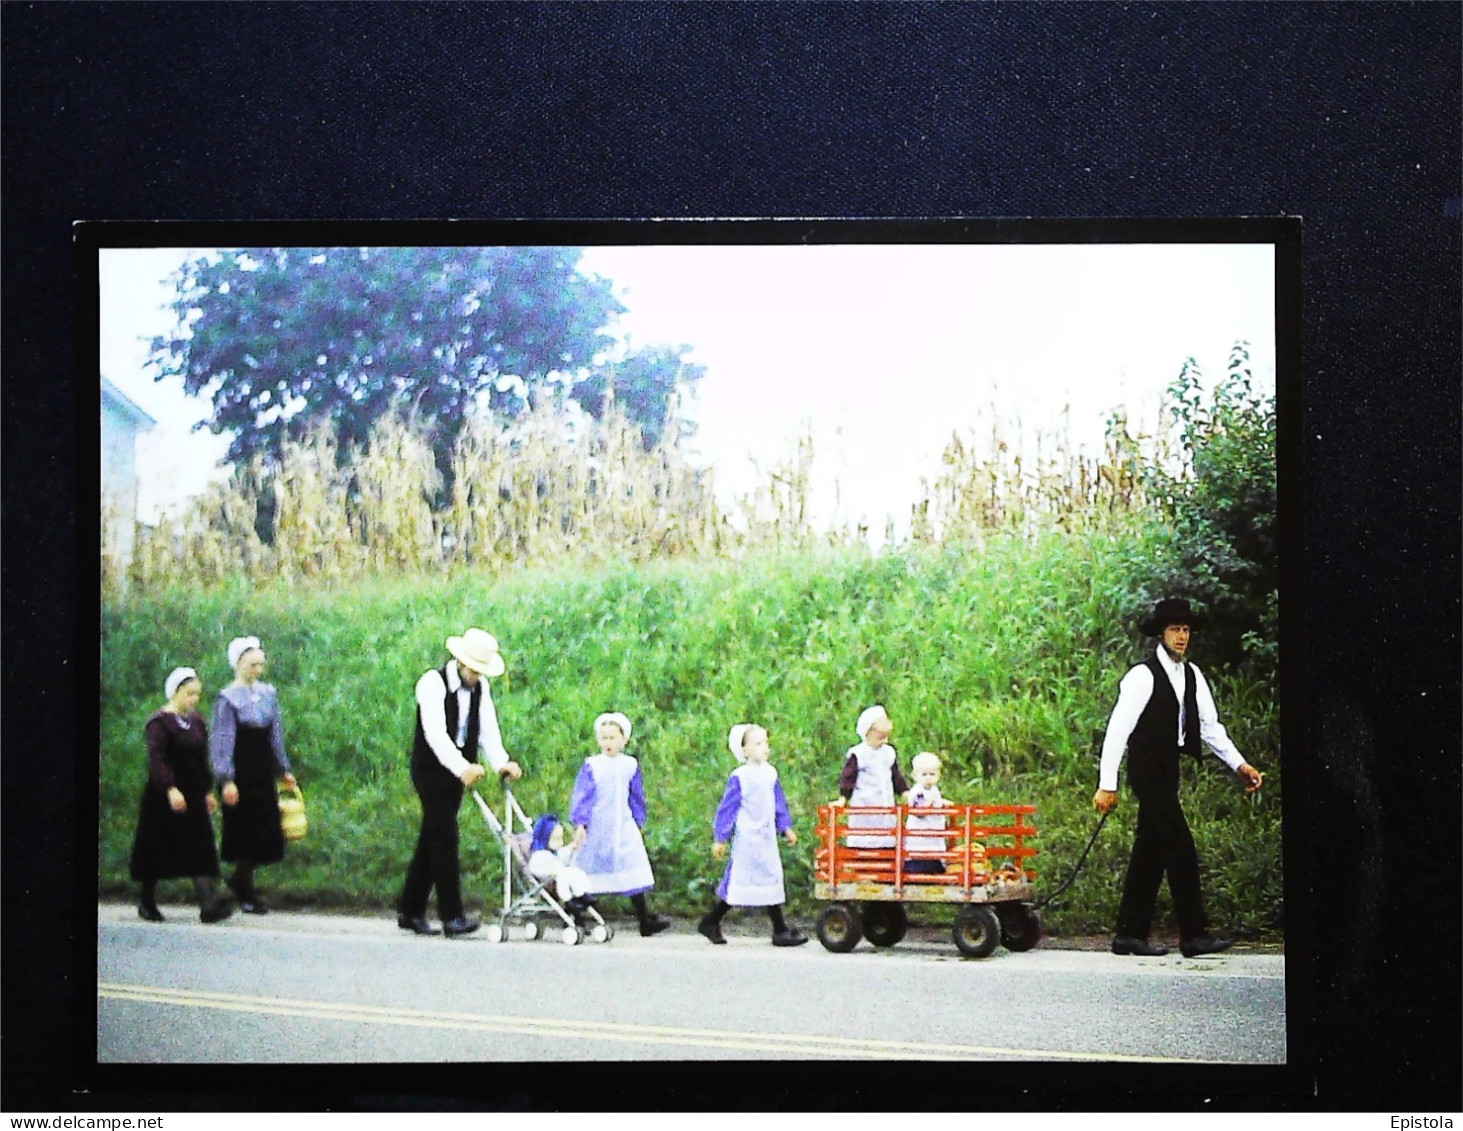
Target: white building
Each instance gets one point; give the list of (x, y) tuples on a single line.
[(122, 421)]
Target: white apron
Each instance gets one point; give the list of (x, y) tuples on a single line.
[(754, 872), (613, 854), (875, 786), (918, 845)]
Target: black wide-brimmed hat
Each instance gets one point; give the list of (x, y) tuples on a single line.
[(1171, 610)]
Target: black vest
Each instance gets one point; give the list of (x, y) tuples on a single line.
[(422, 758), (1153, 745)]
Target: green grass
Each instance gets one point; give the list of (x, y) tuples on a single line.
[(1004, 659)]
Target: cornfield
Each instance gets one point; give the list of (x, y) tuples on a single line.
[(549, 490)]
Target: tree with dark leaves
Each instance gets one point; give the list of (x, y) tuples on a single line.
[(283, 339)]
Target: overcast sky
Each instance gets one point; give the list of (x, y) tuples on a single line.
[(882, 351)]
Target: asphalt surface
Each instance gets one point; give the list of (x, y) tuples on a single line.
[(290, 987)]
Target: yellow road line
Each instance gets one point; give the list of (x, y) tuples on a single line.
[(799, 1044)]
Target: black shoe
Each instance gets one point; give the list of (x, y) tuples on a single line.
[(150, 912), (462, 925), (1203, 944), (216, 911), (1141, 947), (250, 902), (653, 925), (790, 937), (416, 925), (712, 930)]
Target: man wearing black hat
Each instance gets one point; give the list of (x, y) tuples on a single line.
[(1164, 709)]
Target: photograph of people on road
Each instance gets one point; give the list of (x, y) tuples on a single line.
[(963, 526)]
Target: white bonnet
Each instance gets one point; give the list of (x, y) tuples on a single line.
[(869, 718), (734, 740), (925, 759), (176, 678), (613, 717), (238, 646)]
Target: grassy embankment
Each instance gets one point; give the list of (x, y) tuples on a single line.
[(1005, 660)]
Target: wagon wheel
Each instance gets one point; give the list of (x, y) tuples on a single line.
[(839, 929), (884, 923), (977, 932), (531, 929), (1020, 926)]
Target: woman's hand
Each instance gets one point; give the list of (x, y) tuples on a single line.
[(231, 794), (1252, 777), (212, 802), (513, 770), (1104, 801), (790, 836), (580, 832), (176, 800), (718, 849), (289, 780)]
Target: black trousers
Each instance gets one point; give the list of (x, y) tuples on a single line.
[(435, 861), (1163, 846)]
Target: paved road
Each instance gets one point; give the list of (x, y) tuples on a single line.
[(295, 988)]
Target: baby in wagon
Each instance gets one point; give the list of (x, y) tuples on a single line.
[(926, 795), (550, 860)]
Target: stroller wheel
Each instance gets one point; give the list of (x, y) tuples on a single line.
[(494, 932), (530, 929), (571, 936), (601, 932)]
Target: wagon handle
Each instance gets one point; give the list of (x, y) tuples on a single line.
[(1077, 868)]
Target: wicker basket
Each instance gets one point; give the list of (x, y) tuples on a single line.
[(292, 817)]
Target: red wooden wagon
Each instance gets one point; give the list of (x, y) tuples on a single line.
[(986, 868)]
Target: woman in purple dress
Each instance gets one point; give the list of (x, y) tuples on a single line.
[(248, 752), (174, 834)]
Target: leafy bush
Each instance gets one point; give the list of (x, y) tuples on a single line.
[(1220, 502)]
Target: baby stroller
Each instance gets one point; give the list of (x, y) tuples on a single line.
[(536, 908)]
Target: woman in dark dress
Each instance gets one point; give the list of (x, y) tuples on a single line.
[(174, 834), (247, 746)]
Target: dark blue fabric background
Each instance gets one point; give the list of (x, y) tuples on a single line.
[(1345, 114)]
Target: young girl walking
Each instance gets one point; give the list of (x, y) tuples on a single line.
[(753, 811), (608, 812)]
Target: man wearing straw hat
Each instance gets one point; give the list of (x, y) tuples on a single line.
[(455, 719), (1164, 710)]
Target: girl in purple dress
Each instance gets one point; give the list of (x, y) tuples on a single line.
[(174, 834), (248, 752), (608, 812), (752, 813)]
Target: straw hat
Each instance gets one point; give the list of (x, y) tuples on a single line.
[(477, 650)]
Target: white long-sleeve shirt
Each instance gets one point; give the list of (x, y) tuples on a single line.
[(1134, 692), (430, 701)]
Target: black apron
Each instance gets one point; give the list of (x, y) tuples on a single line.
[(252, 832)]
